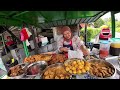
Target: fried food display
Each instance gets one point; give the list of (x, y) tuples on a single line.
[(75, 66), (56, 72), (101, 69), (35, 58), (57, 58), (16, 71)]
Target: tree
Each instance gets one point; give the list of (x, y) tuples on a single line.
[(99, 23), (109, 23), (117, 24)]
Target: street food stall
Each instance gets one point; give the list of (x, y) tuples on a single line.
[(50, 64)]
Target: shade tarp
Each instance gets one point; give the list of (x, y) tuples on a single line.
[(46, 19)]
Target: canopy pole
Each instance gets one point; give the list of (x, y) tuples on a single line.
[(25, 49), (34, 34), (85, 34), (78, 30), (10, 32), (4, 43), (113, 23), (25, 46)]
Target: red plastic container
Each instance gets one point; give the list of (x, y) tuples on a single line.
[(104, 49)]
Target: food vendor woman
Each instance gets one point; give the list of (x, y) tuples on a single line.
[(70, 42)]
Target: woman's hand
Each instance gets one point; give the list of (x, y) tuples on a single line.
[(84, 50), (64, 49)]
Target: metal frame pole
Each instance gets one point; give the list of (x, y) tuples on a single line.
[(4, 43), (85, 34), (10, 32), (113, 23), (34, 34), (78, 30)]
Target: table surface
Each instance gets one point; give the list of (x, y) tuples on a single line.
[(111, 59)]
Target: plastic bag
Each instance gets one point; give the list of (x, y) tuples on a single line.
[(75, 54), (44, 41), (27, 43)]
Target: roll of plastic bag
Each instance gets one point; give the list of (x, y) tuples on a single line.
[(32, 44), (27, 43), (75, 54)]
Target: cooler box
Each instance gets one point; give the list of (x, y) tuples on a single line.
[(115, 46)]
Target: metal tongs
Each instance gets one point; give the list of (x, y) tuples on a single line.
[(87, 57)]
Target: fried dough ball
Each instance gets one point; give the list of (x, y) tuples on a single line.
[(67, 68), (47, 77), (46, 73), (83, 71), (73, 68), (79, 71), (70, 71), (56, 77), (51, 76), (62, 78), (82, 62), (80, 67), (66, 64), (67, 77), (87, 68), (74, 63), (74, 72)]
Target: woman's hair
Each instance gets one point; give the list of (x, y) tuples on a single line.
[(65, 28)]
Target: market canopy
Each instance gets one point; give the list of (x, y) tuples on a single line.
[(47, 19)]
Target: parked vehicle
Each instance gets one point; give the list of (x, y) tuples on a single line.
[(105, 34)]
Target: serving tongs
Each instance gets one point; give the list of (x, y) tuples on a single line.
[(86, 57)]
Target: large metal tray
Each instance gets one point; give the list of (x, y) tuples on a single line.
[(53, 65), (107, 63), (41, 67)]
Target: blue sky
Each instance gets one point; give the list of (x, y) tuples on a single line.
[(108, 15)]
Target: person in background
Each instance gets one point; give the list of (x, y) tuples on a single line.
[(70, 42), (12, 47), (9, 42)]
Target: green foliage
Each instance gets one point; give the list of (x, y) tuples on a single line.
[(99, 23), (118, 29), (91, 33), (117, 24)]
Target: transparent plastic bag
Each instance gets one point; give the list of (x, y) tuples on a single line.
[(75, 54)]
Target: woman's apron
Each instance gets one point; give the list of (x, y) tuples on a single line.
[(68, 46)]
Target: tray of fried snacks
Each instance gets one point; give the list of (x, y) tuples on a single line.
[(18, 71), (57, 58), (35, 58), (101, 69), (77, 66), (55, 71)]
